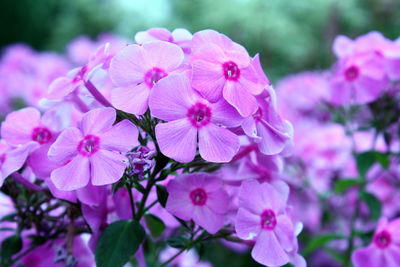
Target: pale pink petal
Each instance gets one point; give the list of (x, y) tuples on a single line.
[(272, 140), (225, 114), (210, 53), (208, 79), (272, 198), (40, 163), (244, 102), (92, 195), (250, 81), (122, 137), (368, 256), (16, 158), (342, 46), (61, 87), (250, 197), (171, 98), (217, 144), (57, 193), (74, 175), (218, 201), (129, 66), (163, 55), (367, 89), (285, 232), (268, 251), (206, 218), (98, 120), (106, 167), (178, 202), (132, 99), (65, 147), (247, 224), (392, 256), (177, 140), (18, 126)]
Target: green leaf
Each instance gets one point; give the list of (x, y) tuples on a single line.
[(118, 243), (320, 241), (374, 205), (177, 242), (342, 185), (11, 246), (367, 159), (155, 225), (162, 195)]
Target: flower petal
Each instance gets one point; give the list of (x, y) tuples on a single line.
[(122, 137), (98, 120), (206, 218), (65, 147), (225, 114), (177, 139), (247, 224), (217, 144), (218, 201), (171, 98), (164, 55), (132, 99), (268, 251), (74, 175), (106, 167), (129, 66), (244, 102)]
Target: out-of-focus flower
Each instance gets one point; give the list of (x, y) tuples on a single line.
[(198, 197)]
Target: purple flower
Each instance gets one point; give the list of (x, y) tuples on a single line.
[(180, 37), (384, 249), (140, 160), (263, 215), (136, 69), (191, 117), (223, 69), (92, 152), (198, 197)]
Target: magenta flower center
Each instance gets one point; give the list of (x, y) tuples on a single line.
[(42, 135), (199, 115), (268, 220), (351, 73), (89, 145), (2, 159), (198, 197), (153, 76), (231, 71), (382, 239)]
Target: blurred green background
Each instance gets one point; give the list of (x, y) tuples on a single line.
[(290, 35)]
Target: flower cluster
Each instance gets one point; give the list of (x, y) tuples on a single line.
[(159, 146), (132, 120)]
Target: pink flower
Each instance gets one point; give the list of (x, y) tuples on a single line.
[(93, 151), (77, 77), (180, 37), (136, 69), (263, 215), (12, 160), (384, 249), (222, 68), (27, 125), (266, 128), (358, 79), (190, 118), (198, 197)]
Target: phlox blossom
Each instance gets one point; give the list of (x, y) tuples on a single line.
[(263, 216), (136, 69), (198, 197), (384, 249), (93, 151), (191, 118), (223, 69)]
